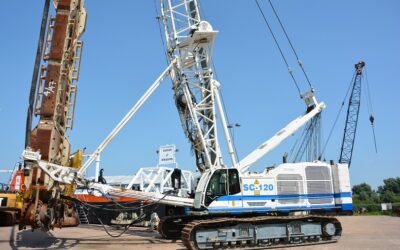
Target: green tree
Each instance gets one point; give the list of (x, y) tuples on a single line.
[(390, 191), (363, 194)]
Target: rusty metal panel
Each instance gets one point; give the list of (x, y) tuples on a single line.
[(58, 40), (55, 146), (64, 85), (33, 141), (50, 90), (42, 140), (64, 5), (34, 175), (65, 151), (42, 177)]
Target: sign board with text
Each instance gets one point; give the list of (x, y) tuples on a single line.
[(167, 155)]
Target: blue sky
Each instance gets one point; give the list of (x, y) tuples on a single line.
[(123, 54)]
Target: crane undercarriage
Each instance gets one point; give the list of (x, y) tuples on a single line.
[(251, 231)]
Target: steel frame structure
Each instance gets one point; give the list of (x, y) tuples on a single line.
[(158, 180), (190, 42), (54, 105), (353, 110)]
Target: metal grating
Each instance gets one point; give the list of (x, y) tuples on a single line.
[(289, 184), (319, 183)]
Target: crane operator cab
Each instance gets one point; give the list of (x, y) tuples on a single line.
[(217, 183)]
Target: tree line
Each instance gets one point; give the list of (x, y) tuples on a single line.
[(365, 196)]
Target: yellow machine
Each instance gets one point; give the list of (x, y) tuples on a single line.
[(12, 194), (10, 207)]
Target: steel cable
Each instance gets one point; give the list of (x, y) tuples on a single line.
[(291, 45), (279, 47), (337, 116)]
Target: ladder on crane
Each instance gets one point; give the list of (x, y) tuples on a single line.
[(81, 214)]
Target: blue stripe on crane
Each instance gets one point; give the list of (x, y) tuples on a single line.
[(237, 210), (283, 197)]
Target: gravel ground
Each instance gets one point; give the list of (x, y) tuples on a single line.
[(359, 232)]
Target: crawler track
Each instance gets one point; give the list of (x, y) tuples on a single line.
[(191, 228), (171, 227)]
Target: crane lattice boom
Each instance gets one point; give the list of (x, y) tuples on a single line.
[(352, 117), (190, 42)]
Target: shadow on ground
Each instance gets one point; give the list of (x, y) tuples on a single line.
[(97, 237), (40, 240)]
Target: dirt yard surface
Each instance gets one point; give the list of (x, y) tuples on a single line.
[(359, 232)]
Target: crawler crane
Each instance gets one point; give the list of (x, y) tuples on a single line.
[(353, 111), (231, 205), (285, 205)]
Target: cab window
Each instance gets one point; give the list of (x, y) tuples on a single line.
[(223, 182)]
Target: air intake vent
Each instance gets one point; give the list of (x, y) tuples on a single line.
[(319, 185), (289, 184)]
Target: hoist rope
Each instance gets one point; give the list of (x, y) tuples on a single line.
[(296, 144), (310, 140), (368, 93), (214, 70), (373, 133), (159, 17), (279, 47), (291, 45), (337, 116), (371, 112), (39, 52)]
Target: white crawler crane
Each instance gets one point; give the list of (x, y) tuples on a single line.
[(231, 206)]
